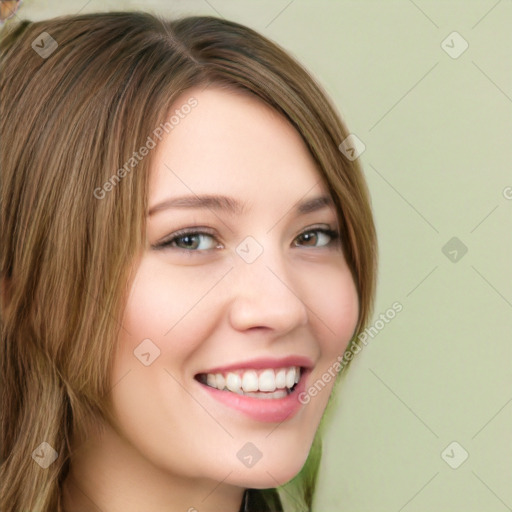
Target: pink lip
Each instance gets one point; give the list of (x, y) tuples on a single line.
[(272, 410), (258, 364)]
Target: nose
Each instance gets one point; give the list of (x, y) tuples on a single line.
[(265, 294)]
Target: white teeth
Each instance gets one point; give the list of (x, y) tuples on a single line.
[(272, 383), (267, 380), (221, 381), (211, 380), (281, 378), (250, 381), (233, 382), (280, 393), (290, 377)]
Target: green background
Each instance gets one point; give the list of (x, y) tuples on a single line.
[(437, 132)]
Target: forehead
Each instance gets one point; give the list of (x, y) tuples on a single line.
[(231, 143)]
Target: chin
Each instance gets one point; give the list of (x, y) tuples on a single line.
[(271, 474)]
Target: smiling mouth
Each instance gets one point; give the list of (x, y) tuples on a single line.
[(266, 383)]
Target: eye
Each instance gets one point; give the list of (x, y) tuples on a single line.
[(318, 237), (201, 240), (190, 240)]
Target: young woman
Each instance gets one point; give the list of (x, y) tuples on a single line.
[(186, 257)]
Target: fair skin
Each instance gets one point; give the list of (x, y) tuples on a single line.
[(175, 446)]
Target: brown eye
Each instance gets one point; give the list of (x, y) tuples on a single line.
[(310, 238), (319, 237)]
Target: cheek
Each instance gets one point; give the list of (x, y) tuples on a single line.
[(161, 305), (333, 305)]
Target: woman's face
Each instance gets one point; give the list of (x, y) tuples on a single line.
[(255, 288)]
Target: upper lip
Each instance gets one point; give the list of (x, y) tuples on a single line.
[(264, 362)]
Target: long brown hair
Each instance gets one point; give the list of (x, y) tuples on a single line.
[(74, 107)]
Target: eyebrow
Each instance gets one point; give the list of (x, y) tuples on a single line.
[(218, 202)]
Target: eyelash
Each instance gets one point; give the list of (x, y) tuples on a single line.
[(167, 243)]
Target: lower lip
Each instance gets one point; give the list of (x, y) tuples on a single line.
[(268, 410)]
